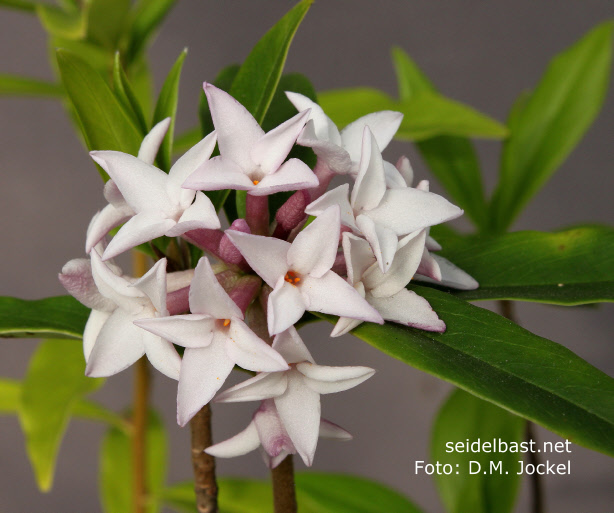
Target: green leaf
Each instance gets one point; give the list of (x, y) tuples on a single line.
[(256, 81), (69, 24), (167, 108), (551, 122), (497, 360), (19, 5), (464, 416), (570, 267), (317, 492), (452, 160), (146, 16), (10, 394), (184, 141), (107, 21), (24, 86), (116, 467), (52, 317), (55, 381), (125, 94), (106, 124)]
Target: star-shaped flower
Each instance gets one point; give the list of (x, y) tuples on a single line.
[(111, 342), (387, 292), (300, 273), (381, 214), (215, 338), (296, 393), (266, 430), (249, 159), (161, 205)]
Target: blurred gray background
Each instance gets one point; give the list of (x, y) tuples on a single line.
[(482, 53)]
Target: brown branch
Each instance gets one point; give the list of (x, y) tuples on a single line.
[(537, 493), (205, 484), (284, 493)]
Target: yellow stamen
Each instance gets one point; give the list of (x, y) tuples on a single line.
[(226, 322), (291, 277), (255, 182)]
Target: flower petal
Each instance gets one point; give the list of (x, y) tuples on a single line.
[(189, 330), (429, 266), (262, 386), (113, 195), (273, 148), (286, 306), (407, 307), (344, 325), (188, 163), (203, 372), (408, 210), (237, 130), (383, 124), (335, 157), (162, 355), (299, 410), (370, 183), (119, 345), (273, 436), (250, 352), (290, 345), (152, 141), (265, 255), (116, 288), (404, 168), (153, 285), (383, 241), (143, 227), (291, 176), (332, 431), (141, 184), (105, 220), (240, 444), (217, 174), (394, 179), (358, 256), (200, 214), (451, 276), (332, 294), (328, 380), (207, 296), (338, 196), (94, 324), (314, 249), (77, 279), (325, 129), (432, 244)]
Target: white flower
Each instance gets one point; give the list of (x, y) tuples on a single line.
[(215, 338), (266, 430), (300, 274), (381, 214), (154, 201), (296, 394), (250, 159), (387, 292), (111, 342)]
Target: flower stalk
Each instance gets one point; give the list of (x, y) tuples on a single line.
[(284, 492), (205, 484)]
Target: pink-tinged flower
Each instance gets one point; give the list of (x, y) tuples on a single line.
[(300, 273), (266, 430), (387, 292), (215, 338), (296, 396), (111, 342), (381, 214), (159, 203), (250, 160), (341, 151)]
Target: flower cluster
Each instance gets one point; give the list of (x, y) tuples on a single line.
[(353, 258)]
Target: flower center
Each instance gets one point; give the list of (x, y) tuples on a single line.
[(292, 277), (226, 322)]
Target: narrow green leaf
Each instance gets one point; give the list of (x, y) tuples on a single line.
[(69, 24), (52, 317), (316, 492), (570, 267), (125, 94), (551, 122), (19, 5), (106, 124), (497, 360), (256, 81), (426, 115), (24, 86), (55, 381), (146, 16), (452, 160), (464, 416), (10, 396), (116, 475), (167, 108), (107, 21)]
